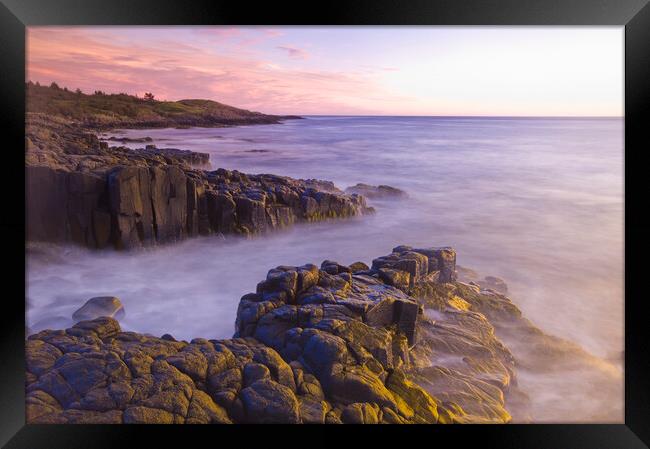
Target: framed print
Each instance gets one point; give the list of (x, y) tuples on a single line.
[(364, 213)]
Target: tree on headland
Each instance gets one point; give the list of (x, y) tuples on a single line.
[(78, 91), (148, 96), (54, 86)]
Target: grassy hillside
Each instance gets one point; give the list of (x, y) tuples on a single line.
[(101, 110)]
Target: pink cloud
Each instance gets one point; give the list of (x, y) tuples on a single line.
[(113, 61), (239, 38), (294, 52)]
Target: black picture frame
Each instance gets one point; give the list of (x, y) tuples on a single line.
[(634, 15)]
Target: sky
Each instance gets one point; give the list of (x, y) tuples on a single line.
[(413, 70)]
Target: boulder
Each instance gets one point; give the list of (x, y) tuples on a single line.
[(360, 413), (373, 192), (441, 259), (268, 402), (100, 306), (358, 266)]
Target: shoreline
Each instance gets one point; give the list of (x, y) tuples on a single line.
[(305, 390), (420, 346), (94, 180), (122, 198)]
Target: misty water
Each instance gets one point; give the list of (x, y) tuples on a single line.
[(537, 202)]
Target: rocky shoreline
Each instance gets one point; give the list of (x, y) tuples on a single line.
[(85, 192), (335, 344), (399, 341), (408, 338)]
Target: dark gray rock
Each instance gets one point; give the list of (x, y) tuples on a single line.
[(359, 267), (99, 306), (267, 402), (131, 207), (372, 192), (439, 259), (129, 204)]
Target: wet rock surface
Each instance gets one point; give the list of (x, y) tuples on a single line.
[(123, 139), (381, 191), (185, 157), (328, 344), (99, 306), (493, 283), (85, 192)]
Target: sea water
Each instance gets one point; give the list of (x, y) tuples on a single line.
[(535, 201)]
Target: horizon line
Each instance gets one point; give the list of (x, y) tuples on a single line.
[(349, 115), (456, 116)]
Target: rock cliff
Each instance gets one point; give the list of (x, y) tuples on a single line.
[(83, 191)]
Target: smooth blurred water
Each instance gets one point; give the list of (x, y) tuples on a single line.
[(538, 202)]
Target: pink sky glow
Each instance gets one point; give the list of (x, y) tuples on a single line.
[(345, 70)]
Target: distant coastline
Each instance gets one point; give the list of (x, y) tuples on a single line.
[(116, 197), (102, 111)]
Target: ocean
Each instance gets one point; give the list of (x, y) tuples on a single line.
[(535, 201)]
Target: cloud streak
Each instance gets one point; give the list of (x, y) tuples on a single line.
[(173, 70), (344, 70), (294, 52)]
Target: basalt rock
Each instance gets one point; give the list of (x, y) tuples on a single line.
[(328, 345), (79, 190), (374, 192), (311, 345), (124, 139), (108, 306), (174, 155), (421, 265)]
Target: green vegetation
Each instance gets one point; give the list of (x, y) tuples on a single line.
[(101, 110)]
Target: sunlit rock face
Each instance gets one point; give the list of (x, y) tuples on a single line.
[(475, 343), (328, 344), (312, 346)]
